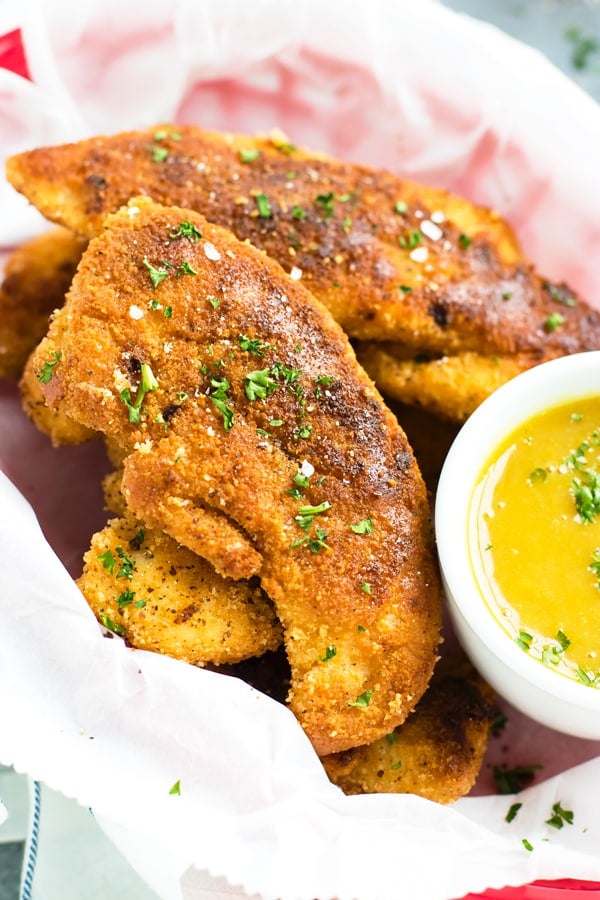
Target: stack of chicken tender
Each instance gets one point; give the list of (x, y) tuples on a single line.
[(264, 495)]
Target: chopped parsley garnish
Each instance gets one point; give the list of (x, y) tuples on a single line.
[(524, 640), (365, 587), (512, 812), (108, 561), (148, 383), (47, 371), (563, 640), (112, 626), (396, 766), (362, 701), (159, 154), (511, 781), (303, 431), (401, 207), (186, 269), (330, 652), (506, 295), (560, 816), (220, 400), (404, 288), (365, 526), (361, 629), (264, 207), (127, 567), (560, 295), (326, 202), (585, 489), (527, 844), (163, 135), (554, 321), (252, 345), (168, 312), (465, 241), (125, 598), (584, 47), (138, 539), (411, 240), (594, 566), (187, 229), (176, 789), (214, 301), (587, 678), (306, 514), (156, 275), (391, 737), (259, 384), (325, 380), (248, 156), (298, 212), (538, 474)]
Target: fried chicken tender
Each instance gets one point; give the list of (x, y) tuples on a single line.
[(36, 279), (424, 272), (437, 753), (160, 596), (252, 437)]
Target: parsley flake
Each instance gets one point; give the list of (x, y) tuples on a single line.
[(554, 321), (330, 652), (401, 207), (264, 207), (220, 400), (47, 371), (259, 384), (365, 526), (512, 812), (560, 816), (112, 626), (527, 844), (465, 241), (214, 301), (524, 640), (186, 229), (586, 493), (148, 383), (252, 345), (159, 154), (365, 587), (362, 701), (156, 275), (125, 598), (248, 156), (186, 269), (176, 789), (411, 240), (511, 781)]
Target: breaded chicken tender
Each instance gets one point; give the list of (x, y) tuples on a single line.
[(426, 273), (437, 753), (252, 437), (36, 278), (160, 596)]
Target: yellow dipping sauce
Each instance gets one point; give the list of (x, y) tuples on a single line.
[(534, 537)]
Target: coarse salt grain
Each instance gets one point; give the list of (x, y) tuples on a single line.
[(438, 217), (307, 468), (211, 252), (420, 254), (135, 312), (133, 211), (295, 273), (431, 230)]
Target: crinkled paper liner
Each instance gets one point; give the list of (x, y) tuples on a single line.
[(430, 95)]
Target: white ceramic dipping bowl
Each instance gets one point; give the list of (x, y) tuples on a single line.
[(537, 690)]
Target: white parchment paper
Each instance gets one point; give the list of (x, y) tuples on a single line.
[(433, 96)]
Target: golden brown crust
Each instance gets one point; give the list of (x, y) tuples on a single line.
[(161, 597), (437, 753), (36, 278), (338, 224), (451, 387), (184, 471)]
